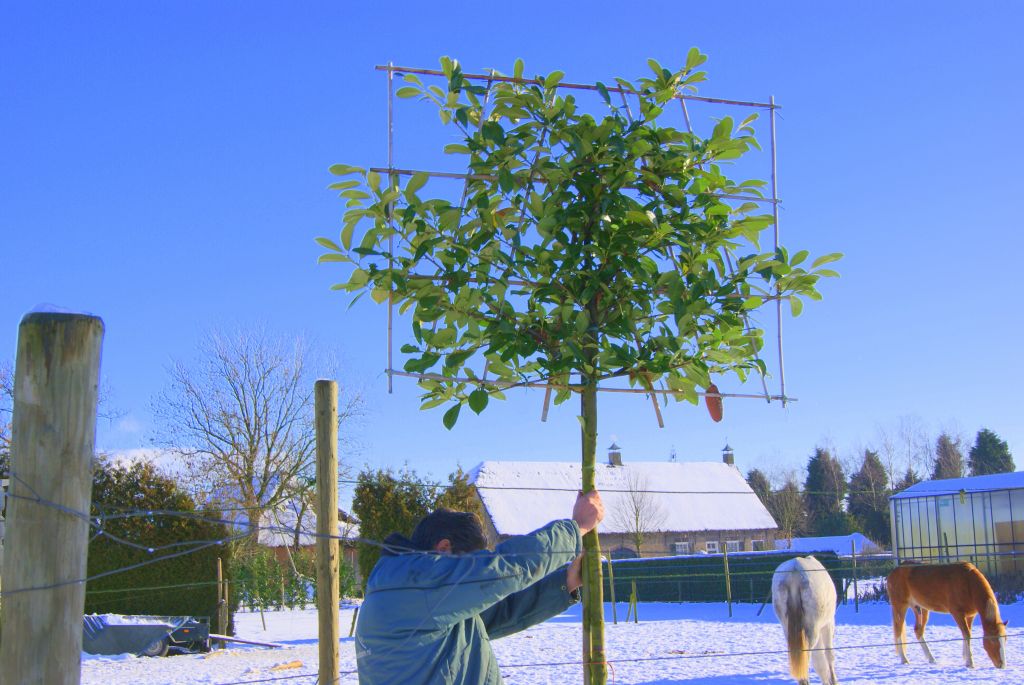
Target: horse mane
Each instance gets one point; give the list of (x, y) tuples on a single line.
[(985, 598)]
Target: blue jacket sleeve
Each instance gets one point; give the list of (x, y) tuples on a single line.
[(536, 604), (451, 588)]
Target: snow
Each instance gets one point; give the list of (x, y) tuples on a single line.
[(672, 643), (952, 486), (522, 496), (840, 544)]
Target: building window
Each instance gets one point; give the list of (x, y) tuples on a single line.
[(733, 546), (711, 546), (757, 545), (681, 547)]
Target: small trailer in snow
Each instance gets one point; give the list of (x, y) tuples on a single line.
[(144, 635)]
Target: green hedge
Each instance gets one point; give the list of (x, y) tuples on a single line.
[(181, 586), (701, 578)]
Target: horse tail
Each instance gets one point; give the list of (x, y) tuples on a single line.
[(796, 637)]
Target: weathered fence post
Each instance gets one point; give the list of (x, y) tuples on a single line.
[(856, 599), (611, 591), (728, 581), (55, 393), (327, 581), (222, 603)]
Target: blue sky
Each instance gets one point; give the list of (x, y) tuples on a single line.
[(164, 166)]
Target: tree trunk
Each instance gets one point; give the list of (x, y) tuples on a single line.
[(595, 670)]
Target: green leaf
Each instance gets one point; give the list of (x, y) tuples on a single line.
[(795, 305), (752, 302), (343, 185), (346, 234), (603, 90), (328, 243), (694, 59), (331, 257), (379, 295), (415, 183), (825, 259), (344, 169), (478, 400), (798, 257), (553, 79), (451, 416), (517, 69), (655, 67), (408, 92)]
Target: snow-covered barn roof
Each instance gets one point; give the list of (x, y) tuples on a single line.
[(952, 486), (840, 544), (277, 527), (521, 496)]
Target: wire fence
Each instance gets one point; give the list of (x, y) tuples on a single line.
[(659, 570)]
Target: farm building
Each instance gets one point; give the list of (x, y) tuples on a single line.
[(682, 507), (291, 527), (979, 519)]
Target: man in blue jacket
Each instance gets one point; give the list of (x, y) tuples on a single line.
[(433, 603)]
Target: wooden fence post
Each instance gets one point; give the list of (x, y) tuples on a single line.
[(856, 599), (728, 581), (222, 602), (55, 393), (327, 580), (611, 591)]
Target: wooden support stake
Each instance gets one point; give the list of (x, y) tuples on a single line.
[(611, 591), (547, 401), (53, 439), (327, 580), (352, 628), (222, 602), (634, 601), (728, 580), (856, 599)]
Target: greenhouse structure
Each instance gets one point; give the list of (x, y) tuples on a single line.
[(978, 519)]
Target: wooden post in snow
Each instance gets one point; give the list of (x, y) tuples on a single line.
[(55, 393), (853, 555), (327, 581), (222, 601)]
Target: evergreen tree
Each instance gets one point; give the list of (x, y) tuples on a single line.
[(824, 491), (911, 477), (869, 498), (460, 495), (990, 454), (760, 484), (949, 459), (385, 503)]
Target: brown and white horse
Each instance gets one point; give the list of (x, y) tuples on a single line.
[(958, 589)]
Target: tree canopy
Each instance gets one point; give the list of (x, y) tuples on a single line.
[(990, 454)]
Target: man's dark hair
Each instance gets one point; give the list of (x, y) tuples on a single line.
[(462, 528)]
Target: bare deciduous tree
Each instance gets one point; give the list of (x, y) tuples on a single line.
[(639, 513), (240, 418), (786, 504), (6, 405)]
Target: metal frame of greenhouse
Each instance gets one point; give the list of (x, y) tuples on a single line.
[(979, 519)]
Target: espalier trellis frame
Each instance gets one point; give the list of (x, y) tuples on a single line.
[(393, 173)]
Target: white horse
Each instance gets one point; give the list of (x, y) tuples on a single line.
[(804, 599)]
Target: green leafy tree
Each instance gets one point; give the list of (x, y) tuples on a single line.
[(990, 454), (869, 498), (949, 458), (385, 503), (760, 484), (583, 249)]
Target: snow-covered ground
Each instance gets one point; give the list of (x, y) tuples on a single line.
[(672, 643)]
